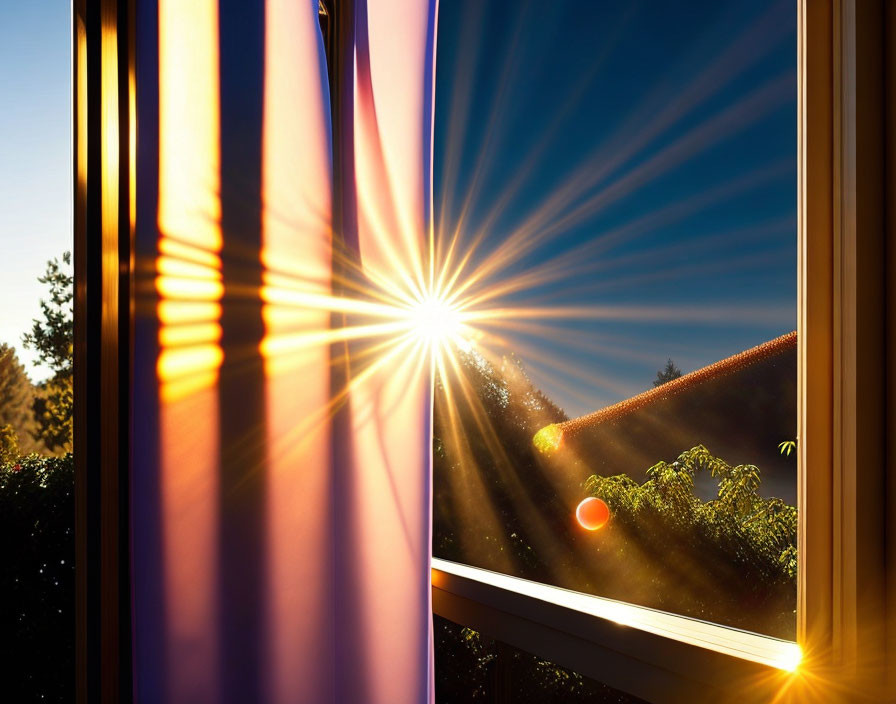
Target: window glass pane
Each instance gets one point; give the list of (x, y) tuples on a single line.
[(615, 209)]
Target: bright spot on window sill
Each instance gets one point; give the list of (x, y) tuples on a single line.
[(791, 658)]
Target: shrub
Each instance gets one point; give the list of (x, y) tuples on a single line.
[(755, 532), (466, 663), (731, 559), (37, 551)]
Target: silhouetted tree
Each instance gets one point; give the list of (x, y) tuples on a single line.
[(52, 338), (667, 373)]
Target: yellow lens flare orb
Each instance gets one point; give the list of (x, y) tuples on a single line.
[(548, 439), (592, 513)]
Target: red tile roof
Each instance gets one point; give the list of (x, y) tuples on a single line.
[(549, 438)]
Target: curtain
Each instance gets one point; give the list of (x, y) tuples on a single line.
[(280, 488)]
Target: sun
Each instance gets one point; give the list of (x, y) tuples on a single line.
[(436, 322)]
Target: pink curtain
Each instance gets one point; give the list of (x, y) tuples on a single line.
[(281, 475)]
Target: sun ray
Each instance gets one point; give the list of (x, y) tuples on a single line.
[(512, 286)]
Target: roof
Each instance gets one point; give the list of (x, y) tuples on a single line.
[(549, 438)]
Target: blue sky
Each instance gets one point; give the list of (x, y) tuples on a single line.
[(583, 77), (690, 108), (35, 171)]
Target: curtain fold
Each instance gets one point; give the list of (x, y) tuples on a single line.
[(281, 494)]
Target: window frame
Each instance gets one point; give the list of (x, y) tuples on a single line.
[(103, 155), (649, 665), (842, 482)]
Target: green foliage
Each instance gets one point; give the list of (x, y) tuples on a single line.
[(749, 530), (9, 444), (667, 373), (52, 338), (52, 409), (787, 447), (16, 397), (37, 579), (466, 664), (499, 503)]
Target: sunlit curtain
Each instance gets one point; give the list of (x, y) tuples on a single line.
[(281, 469)]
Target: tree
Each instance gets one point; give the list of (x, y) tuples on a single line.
[(9, 444), (16, 397), (52, 338), (668, 373), (52, 408), (502, 504)]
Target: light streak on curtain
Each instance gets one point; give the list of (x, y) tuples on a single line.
[(189, 288), (391, 411), (296, 218), (280, 553)]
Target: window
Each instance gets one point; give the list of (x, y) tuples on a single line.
[(843, 513), (619, 418), (841, 441)]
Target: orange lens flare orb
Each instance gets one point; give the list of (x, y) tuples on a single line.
[(592, 513)]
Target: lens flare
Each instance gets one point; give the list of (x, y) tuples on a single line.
[(790, 659), (592, 513), (436, 322), (548, 439)]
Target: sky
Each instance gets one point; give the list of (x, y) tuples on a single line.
[(690, 108), (35, 154), (673, 128)]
